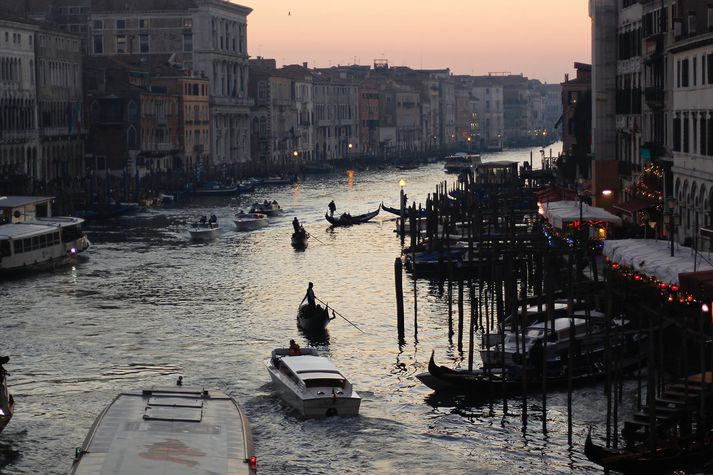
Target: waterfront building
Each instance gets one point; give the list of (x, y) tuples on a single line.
[(516, 97), (192, 92), (400, 117), (369, 119), (133, 125), (605, 173), (628, 97), (336, 122), (576, 121), (480, 118), (691, 55), (204, 36), (58, 60), (19, 138), (282, 113)]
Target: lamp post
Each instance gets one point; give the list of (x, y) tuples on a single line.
[(580, 195), (671, 203)]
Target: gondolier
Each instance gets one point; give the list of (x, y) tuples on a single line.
[(309, 296), (332, 208), (296, 224)]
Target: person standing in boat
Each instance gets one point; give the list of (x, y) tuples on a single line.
[(296, 225), (309, 296), (332, 208)]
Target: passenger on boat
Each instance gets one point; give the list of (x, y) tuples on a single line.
[(265, 203), (346, 218), (179, 382), (332, 208), (310, 296), (213, 220), (296, 225), (294, 349), (203, 220)]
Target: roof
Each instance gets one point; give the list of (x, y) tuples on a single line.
[(557, 213), (653, 258), (35, 227), (309, 363), (11, 201), (172, 430), (103, 6)]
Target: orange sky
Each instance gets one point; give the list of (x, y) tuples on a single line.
[(540, 39)]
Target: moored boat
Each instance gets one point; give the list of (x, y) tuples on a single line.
[(7, 403), (42, 243), (177, 430), (312, 384), (461, 162), (215, 189), (347, 219), (313, 318), (250, 221)]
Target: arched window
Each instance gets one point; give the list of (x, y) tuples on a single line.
[(131, 138), (133, 111)]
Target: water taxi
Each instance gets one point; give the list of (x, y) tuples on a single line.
[(312, 384), (41, 243), (177, 430), (461, 162)]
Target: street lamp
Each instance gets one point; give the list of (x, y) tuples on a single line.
[(295, 153)]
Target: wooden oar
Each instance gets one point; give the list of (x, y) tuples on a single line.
[(345, 318), (315, 238)]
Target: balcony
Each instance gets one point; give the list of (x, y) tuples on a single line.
[(654, 97), (163, 147)]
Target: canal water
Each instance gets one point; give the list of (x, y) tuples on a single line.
[(145, 304)]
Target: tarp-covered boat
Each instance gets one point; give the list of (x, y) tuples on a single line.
[(347, 219)]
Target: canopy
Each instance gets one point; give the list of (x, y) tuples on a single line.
[(653, 258), (558, 213)]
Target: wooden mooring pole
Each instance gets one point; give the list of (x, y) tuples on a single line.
[(398, 275)]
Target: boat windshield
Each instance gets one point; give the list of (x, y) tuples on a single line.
[(325, 383)]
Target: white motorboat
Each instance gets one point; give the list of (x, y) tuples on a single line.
[(41, 243), (204, 230), (312, 384), (461, 162), (168, 430), (250, 221)]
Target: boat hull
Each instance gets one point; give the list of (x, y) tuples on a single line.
[(250, 225), (198, 234), (316, 320)]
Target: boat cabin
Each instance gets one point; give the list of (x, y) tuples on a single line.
[(496, 173), (18, 209)]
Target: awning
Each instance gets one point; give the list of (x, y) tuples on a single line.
[(554, 193), (631, 207)]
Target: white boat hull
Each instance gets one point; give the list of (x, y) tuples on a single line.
[(202, 234), (314, 405), (251, 224)]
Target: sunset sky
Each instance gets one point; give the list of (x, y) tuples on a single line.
[(540, 39)]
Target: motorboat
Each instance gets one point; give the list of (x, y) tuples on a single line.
[(204, 230), (461, 162), (41, 243), (312, 384), (7, 403), (277, 180), (177, 430), (266, 207), (250, 221)]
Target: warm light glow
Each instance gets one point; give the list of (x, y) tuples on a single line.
[(350, 146), (606, 192), (469, 139), (402, 183), (602, 233), (705, 308), (295, 153)]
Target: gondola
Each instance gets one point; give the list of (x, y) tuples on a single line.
[(348, 220), (313, 319), (7, 404), (497, 382), (299, 239), (646, 461), (397, 212)]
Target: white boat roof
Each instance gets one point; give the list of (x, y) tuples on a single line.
[(36, 226), (14, 201), (310, 364), (175, 430), (559, 323)]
